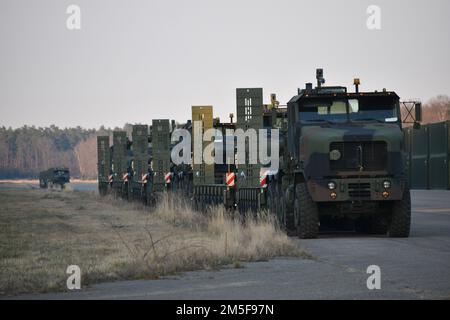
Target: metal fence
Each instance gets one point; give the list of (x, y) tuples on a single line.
[(428, 155)]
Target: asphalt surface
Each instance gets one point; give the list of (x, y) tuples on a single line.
[(413, 268)]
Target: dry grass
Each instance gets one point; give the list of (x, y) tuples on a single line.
[(44, 231)]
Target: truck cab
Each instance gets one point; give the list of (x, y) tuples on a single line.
[(57, 176), (345, 159)]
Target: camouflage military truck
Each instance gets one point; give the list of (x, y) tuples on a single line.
[(53, 177), (342, 157)]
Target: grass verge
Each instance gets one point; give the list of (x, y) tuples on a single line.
[(42, 232)]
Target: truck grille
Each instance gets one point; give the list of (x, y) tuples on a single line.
[(359, 190), (371, 155)]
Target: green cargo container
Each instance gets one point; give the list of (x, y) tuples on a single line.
[(427, 156), (419, 158), (438, 169)]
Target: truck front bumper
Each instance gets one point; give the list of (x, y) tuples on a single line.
[(356, 189)]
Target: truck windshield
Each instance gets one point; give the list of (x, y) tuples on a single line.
[(324, 111), (381, 109)]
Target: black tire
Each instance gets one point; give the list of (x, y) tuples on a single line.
[(278, 212), (287, 223), (102, 191), (276, 203), (306, 213), (400, 223), (124, 191), (282, 216), (289, 217), (143, 195), (270, 200)]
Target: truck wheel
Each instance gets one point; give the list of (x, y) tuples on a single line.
[(282, 216), (306, 213), (270, 200), (279, 204), (273, 197), (288, 216), (288, 224), (143, 195), (401, 217), (290, 221)]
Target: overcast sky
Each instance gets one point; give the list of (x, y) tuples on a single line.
[(133, 61)]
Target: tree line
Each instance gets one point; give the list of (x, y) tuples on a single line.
[(436, 109), (26, 151)]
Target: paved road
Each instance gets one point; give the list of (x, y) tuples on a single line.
[(414, 268)]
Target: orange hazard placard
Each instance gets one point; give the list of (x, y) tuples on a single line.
[(263, 180), (230, 177), (167, 177)]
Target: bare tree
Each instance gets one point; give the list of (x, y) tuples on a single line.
[(437, 109)]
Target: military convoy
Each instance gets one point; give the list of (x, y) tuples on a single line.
[(54, 177), (341, 156)]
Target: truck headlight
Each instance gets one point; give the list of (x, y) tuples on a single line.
[(331, 185), (335, 155), (386, 184)]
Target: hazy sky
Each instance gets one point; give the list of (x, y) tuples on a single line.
[(133, 61)]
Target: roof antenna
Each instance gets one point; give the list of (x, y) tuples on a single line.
[(319, 77)]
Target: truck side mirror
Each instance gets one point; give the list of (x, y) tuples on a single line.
[(418, 111), (417, 115)]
